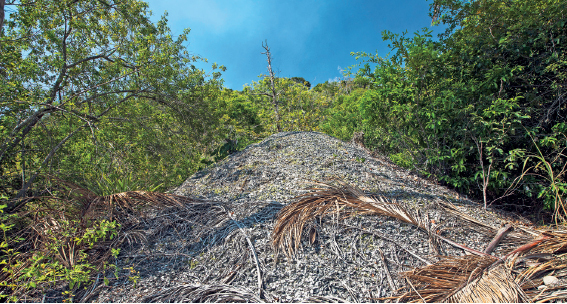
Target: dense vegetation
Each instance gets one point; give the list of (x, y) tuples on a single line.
[(95, 95)]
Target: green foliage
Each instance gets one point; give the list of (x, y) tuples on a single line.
[(469, 101), (300, 109), (402, 159), (65, 257), (99, 96), (552, 170), (302, 81), (95, 93)]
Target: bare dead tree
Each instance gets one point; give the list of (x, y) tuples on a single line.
[(273, 93)]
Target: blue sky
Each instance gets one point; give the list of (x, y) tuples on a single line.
[(308, 38)]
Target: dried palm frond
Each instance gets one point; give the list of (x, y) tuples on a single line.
[(121, 205), (550, 243), (547, 293), (532, 277), (468, 279), (556, 243), (83, 203), (331, 199), (471, 279), (203, 293), (494, 286)]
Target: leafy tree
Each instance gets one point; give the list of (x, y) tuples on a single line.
[(463, 107), (299, 107), (97, 95), (302, 81), (68, 65)]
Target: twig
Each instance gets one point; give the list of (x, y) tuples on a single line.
[(93, 293), (395, 254), (388, 275), (497, 238), (350, 291), (389, 240), (253, 252), (83, 299)]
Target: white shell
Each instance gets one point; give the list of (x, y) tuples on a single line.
[(550, 280)]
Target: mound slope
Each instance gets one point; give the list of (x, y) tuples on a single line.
[(215, 250)]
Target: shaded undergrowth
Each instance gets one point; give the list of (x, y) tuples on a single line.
[(62, 240)]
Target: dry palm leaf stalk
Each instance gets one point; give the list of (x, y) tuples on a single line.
[(556, 243), (328, 200), (513, 237)]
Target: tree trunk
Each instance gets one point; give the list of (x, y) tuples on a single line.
[(274, 94)]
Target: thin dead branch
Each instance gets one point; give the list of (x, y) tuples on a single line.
[(393, 287)]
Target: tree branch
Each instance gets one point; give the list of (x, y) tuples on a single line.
[(92, 58), (24, 189)]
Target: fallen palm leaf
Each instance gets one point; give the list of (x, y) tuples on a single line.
[(332, 200), (532, 278), (493, 286), (556, 243), (471, 279), (468, 279)]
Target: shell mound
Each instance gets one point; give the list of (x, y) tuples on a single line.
[(223, 246)]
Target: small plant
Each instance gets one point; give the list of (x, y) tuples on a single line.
[(116, 183), (402, 159), (193, 263), (63, 257), (7, 254), (554, 193), (133, 276)]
